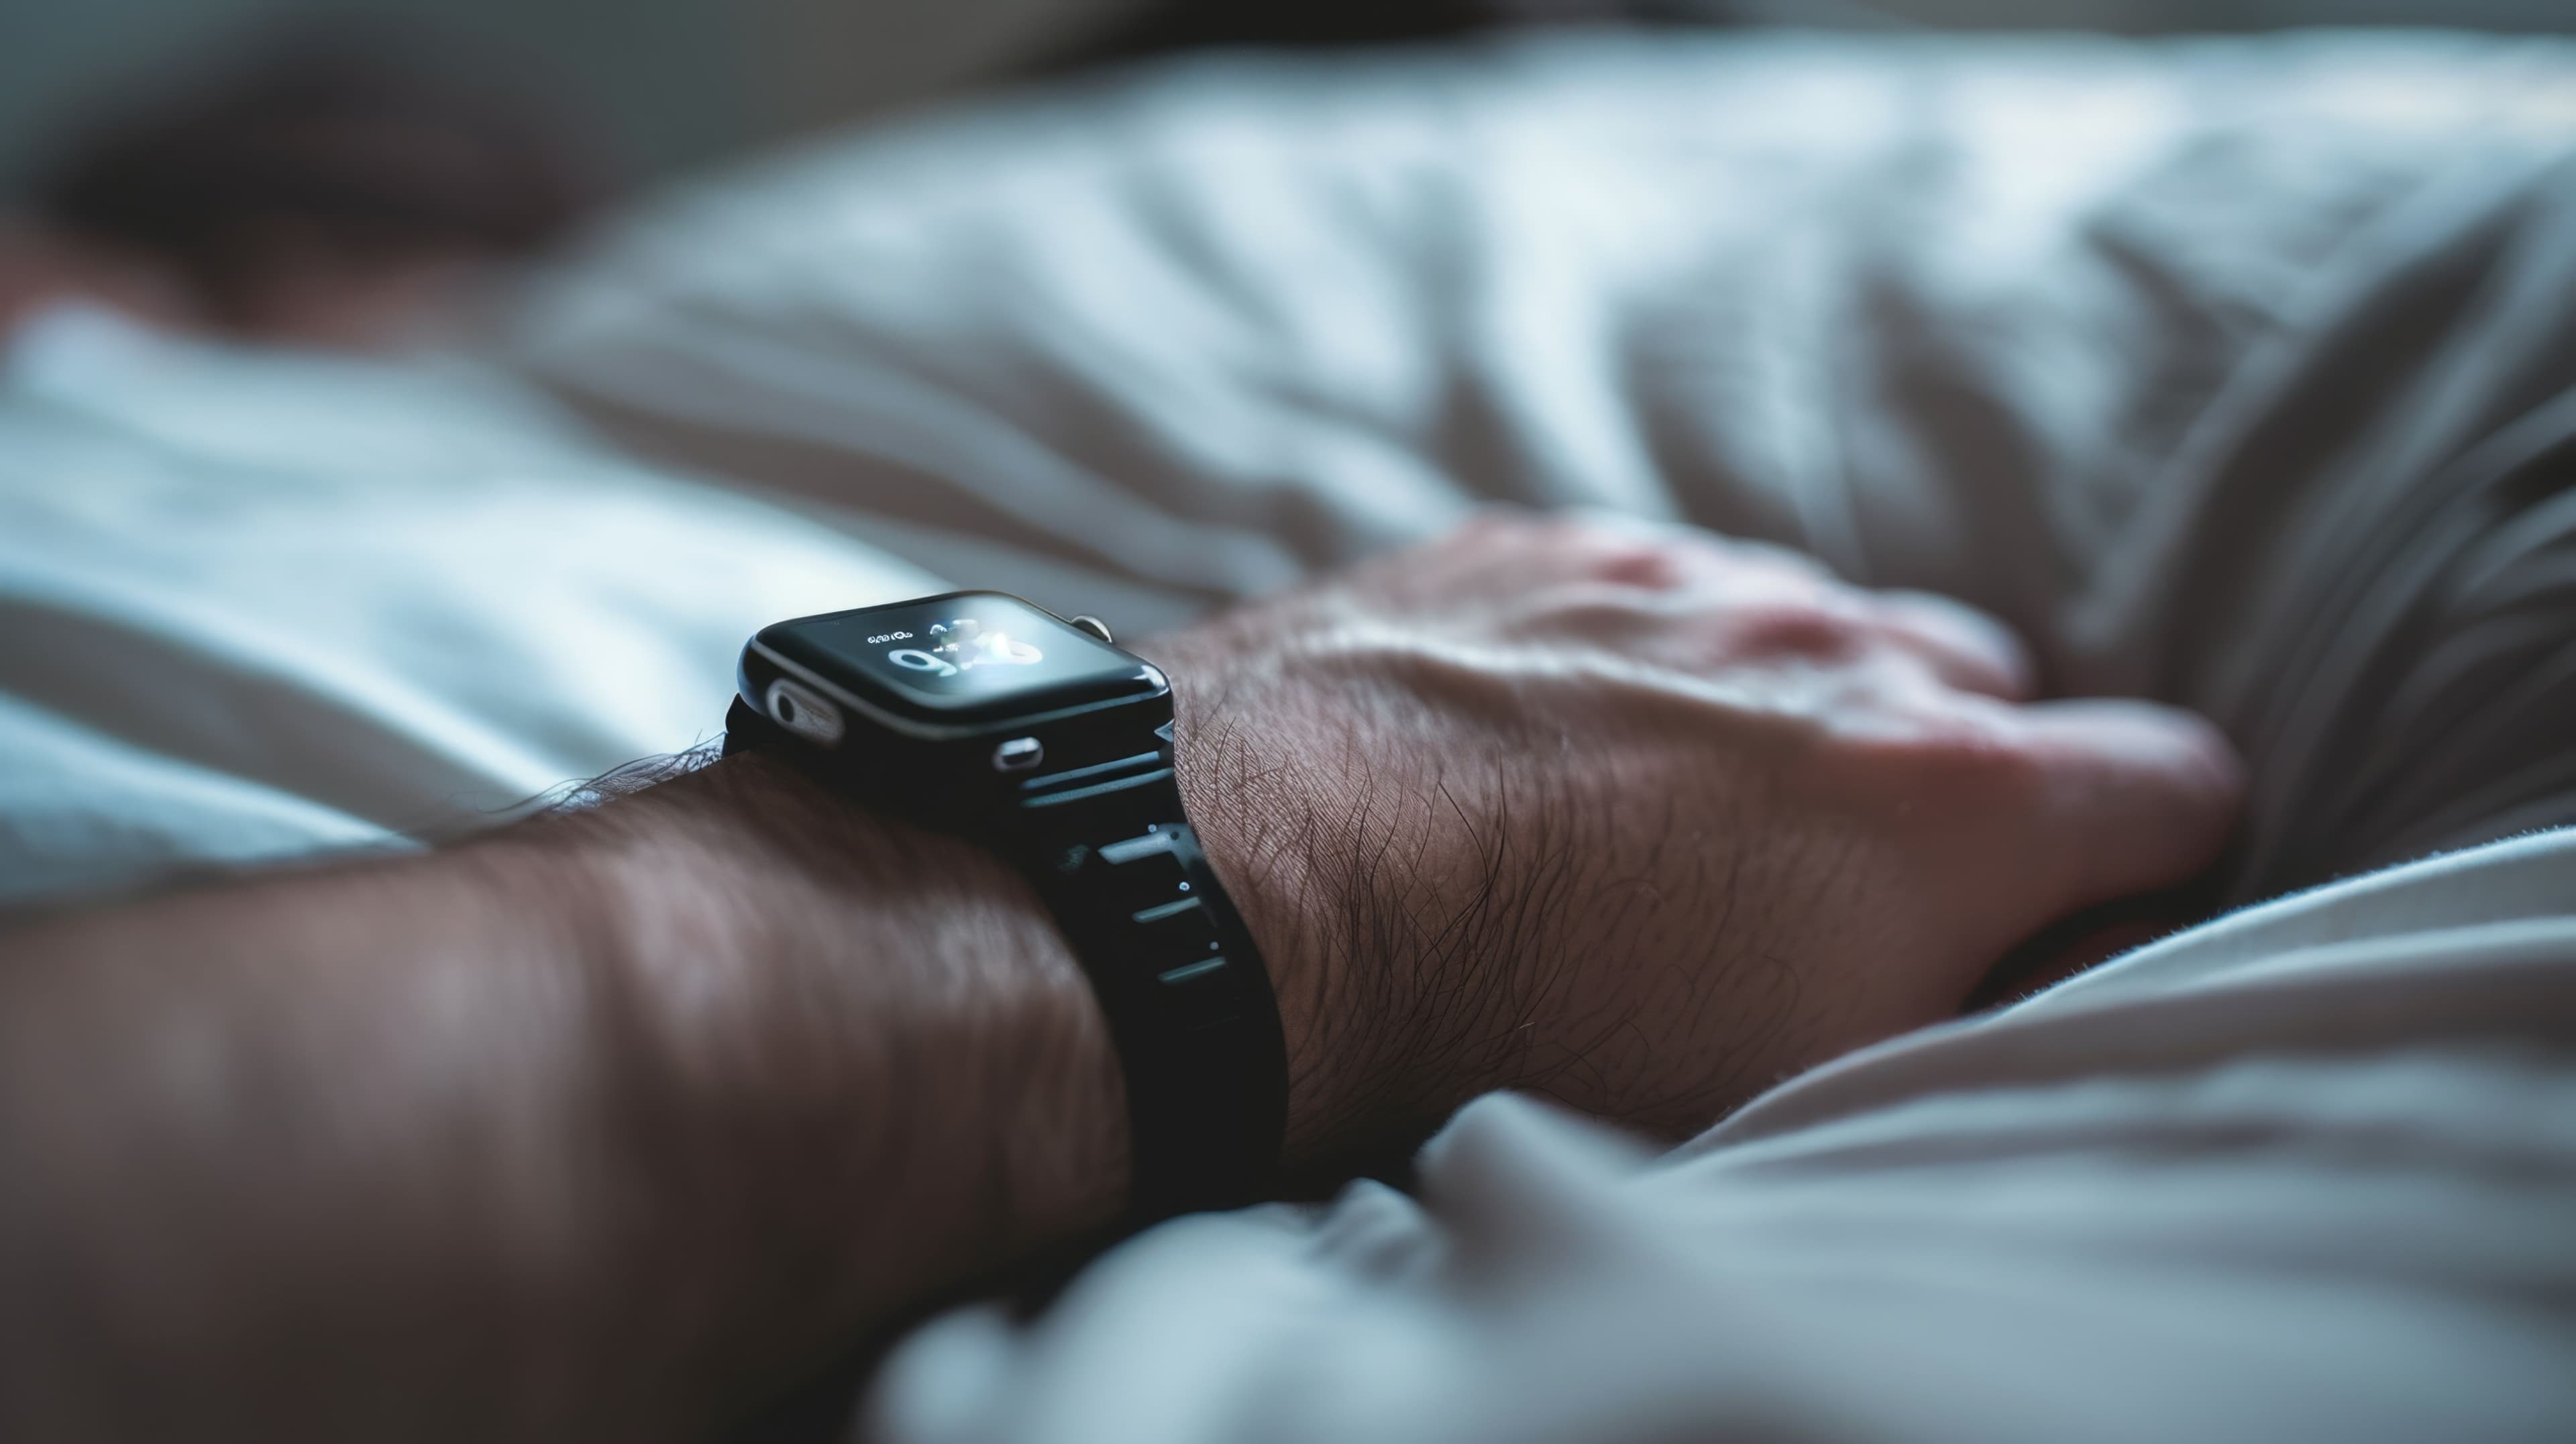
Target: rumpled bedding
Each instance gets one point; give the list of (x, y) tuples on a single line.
[(258, 605), (2238, 373), (2149, 348), (2305, 1174)]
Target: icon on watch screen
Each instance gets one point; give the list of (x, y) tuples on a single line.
[(961, 646)]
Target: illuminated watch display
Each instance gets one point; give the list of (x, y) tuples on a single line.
[(960, 659)]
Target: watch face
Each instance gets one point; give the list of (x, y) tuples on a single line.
[(962, 659)]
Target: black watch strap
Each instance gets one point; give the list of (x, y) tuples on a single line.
[(1186, 996)]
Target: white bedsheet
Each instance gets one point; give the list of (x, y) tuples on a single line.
[(2307, 1174), (255, 604), (2235, 373)]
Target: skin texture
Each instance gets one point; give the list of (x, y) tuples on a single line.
[(606, 1125), (1647, 820), (598, 1128)]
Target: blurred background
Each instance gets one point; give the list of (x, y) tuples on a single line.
[(672, 84)]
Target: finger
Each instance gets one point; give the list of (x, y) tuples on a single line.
[(1965, 647), (1700, 556), (2134, 797), (1511, 549)]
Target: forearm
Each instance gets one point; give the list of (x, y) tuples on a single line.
[(586, 1128)]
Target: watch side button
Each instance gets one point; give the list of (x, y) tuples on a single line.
[(1018, 755), (1093, 625), (798, 709)]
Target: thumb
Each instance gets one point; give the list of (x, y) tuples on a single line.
[(2135, 797)]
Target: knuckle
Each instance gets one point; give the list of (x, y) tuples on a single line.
[(1814, 626), (1582, 548), (1574, 535), (1491, 533), (1493, 522), (1633, 562)]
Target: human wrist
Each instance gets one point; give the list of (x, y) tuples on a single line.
[(1271, 881), (1317, 864), (792, 962)]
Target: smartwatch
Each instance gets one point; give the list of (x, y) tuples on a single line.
[(986, 717)]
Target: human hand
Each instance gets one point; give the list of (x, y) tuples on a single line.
[(1644, 819)]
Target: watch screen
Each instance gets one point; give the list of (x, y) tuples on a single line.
[(965, 657)]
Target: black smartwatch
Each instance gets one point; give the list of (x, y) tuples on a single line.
[(983, 716)]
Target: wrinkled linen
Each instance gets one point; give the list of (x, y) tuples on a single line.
[(2305, 1174), (2233, 373), (257, 605)]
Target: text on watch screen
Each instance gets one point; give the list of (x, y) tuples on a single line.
[(971, 649)]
